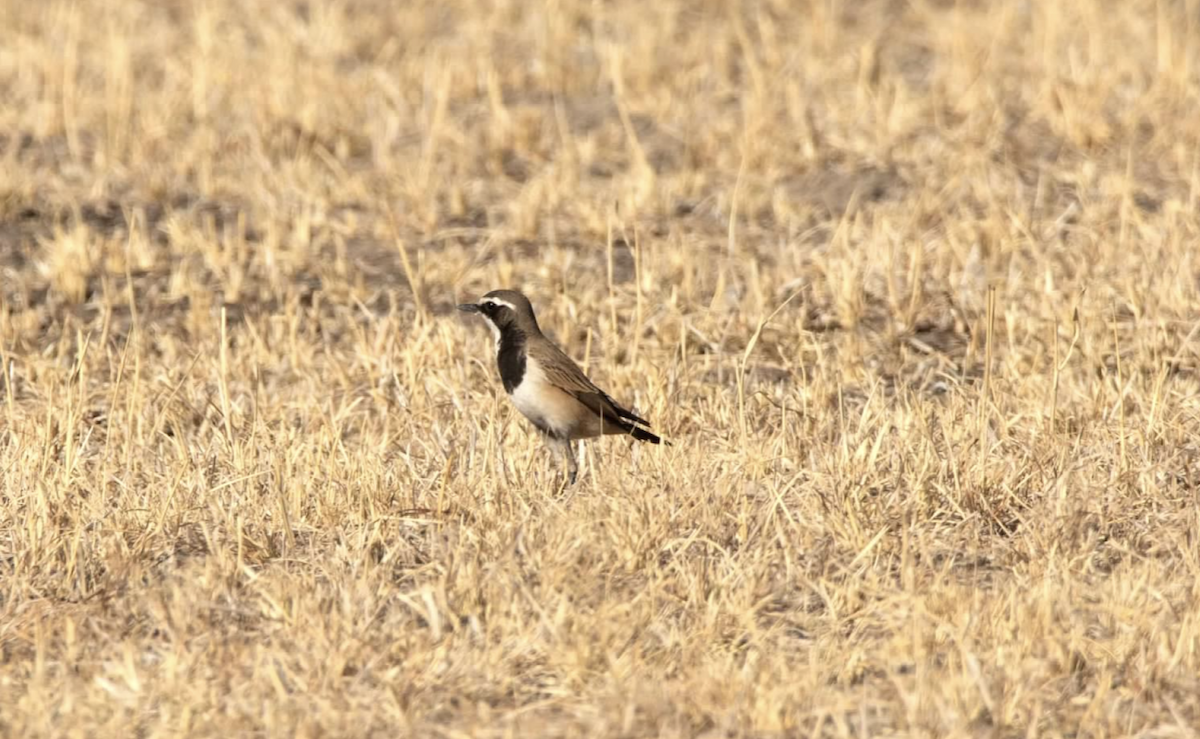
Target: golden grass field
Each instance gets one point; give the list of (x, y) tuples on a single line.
[(913, 288)]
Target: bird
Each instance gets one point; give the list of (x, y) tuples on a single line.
[(546, 385)]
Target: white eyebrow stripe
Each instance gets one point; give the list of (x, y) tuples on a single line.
[(498, 301)]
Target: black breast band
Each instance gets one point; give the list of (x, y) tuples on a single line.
[(511, 359)]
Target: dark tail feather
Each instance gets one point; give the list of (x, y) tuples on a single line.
[(644, 435), (629, 416), (622, 412), (629, 429)]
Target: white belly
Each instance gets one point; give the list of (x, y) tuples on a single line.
[(552, 409)]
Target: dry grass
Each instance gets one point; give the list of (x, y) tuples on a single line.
[(259, 479)]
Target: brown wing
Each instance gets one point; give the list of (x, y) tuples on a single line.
[(565, 374)]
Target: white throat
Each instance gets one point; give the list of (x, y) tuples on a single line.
[(495, 333)]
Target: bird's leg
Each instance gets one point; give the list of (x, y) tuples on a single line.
[(565, 456), (572, 466)]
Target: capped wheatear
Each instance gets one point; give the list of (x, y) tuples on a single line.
[(545, 385)]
